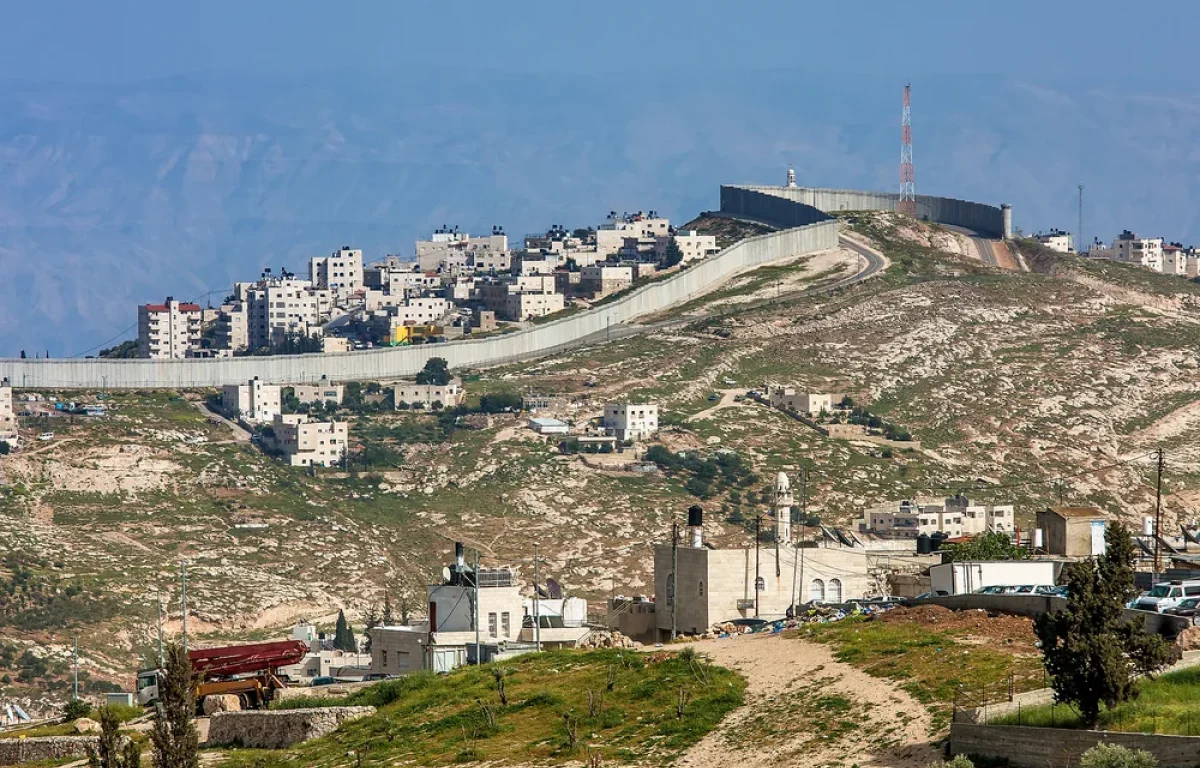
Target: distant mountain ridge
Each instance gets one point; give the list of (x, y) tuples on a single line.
[(112, 196)]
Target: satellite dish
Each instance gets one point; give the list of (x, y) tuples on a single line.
[(555, 589), (446, 573)]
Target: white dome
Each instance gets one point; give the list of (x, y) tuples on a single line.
[(781, 483)]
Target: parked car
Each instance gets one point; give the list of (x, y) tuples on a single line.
[(1160, 597), (926, 595), (1189, 606), (323, 680), (376, 676), (46, 436)]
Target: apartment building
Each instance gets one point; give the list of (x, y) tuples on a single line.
[(603, 279), (631, 421), (169, 330), (409, 393), (450, 251), (954, 516), (521, 297), (1057, 240), (526, 306), (399, 278), (323, 391), (310, 443), (693, 245), (340, 273), (279, 306), (1174, 260), (231, 329), (254, 401), (1143, 251), (611, 235)]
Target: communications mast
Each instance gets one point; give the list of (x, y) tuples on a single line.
[(907, 204)]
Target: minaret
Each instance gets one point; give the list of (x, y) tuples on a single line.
[(791, 177), (783, 509)]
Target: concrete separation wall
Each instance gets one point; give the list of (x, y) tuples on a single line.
[(592, 325), (39, 748), (278, 729), (986, 219), (1062, 747)]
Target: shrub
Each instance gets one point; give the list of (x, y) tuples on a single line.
[(76, 709), (1117, 756)]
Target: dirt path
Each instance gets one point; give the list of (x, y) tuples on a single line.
[(726, 401), (239, 435), (805, 709)]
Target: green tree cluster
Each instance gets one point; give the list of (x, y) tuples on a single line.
[(992, 545), (435, 372), (1093, 654), (343, 635), (112, 750)]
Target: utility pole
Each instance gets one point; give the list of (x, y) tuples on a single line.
[(475, 579), (1079, 232), (803, 523), (75, 689), (183, 599), (1158, 512), (672, 589), (537, 606), (757, 531), (161, 663)]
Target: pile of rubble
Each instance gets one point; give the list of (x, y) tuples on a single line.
[(607, 639), (809, 614)]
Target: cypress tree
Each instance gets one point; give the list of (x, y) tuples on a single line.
[(1092, 652), (174, 736)]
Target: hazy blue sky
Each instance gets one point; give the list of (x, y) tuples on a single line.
[(117, 40)]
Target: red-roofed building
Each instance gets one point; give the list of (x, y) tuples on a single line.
[(170, 329)]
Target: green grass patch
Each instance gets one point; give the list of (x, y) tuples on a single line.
[(430, 719), (1169, 704)]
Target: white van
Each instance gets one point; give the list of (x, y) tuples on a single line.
[(1167, 595)]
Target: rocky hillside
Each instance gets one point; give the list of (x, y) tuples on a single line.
[(1006, 380)]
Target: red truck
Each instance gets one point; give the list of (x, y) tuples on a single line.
[(250, 672)]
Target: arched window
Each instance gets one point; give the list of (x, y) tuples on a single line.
[(835, 591), (817, 591), (761, 584), (702, 589)]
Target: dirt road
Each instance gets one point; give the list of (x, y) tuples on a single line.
[(805, 709)]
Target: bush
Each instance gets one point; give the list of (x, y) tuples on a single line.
[(1116, 756), (76, 709)]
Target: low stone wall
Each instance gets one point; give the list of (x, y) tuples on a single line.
[(1035, 605), (17, 751), (321, 691), (265, 729), (1062, 747)]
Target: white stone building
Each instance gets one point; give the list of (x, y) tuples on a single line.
[(306, 442), (169, 330), (611, 235), (8, 419), (323, 391), (954, 516), (453, 252), (631, 421), (340, 273), (254, 401), (1143, 251), (693, 245), (1057, 240), (449, 395), (602, 279), (279, 306), (1174, 260), (719, 585), (808, 403)]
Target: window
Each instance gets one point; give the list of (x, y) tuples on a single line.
[(835, 591), (702, 589), (670, 588), (760, 584), (817, 591), (505, 624), (383, 658), (491, 625)]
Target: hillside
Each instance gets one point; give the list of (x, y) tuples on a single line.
[(1007, 380)]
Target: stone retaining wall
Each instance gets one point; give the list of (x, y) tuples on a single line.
[(1062, 747), (266, 729), (17, 751)]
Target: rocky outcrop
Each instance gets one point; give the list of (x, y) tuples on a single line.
[(279, 729), (221, 703), (38, 749)]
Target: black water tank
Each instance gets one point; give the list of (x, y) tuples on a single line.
[(936, 540), (924, 546), (695, 516)]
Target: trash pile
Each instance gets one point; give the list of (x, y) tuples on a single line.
[(813, 613)]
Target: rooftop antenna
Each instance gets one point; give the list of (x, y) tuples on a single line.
[(907, 204)]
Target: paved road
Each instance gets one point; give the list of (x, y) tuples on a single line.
[(239, 435), (983, 243)]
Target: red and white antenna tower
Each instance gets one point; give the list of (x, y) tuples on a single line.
[(907, 204)]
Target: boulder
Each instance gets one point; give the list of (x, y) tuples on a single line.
[(1189, 639), (225, 702), (86, 725)]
